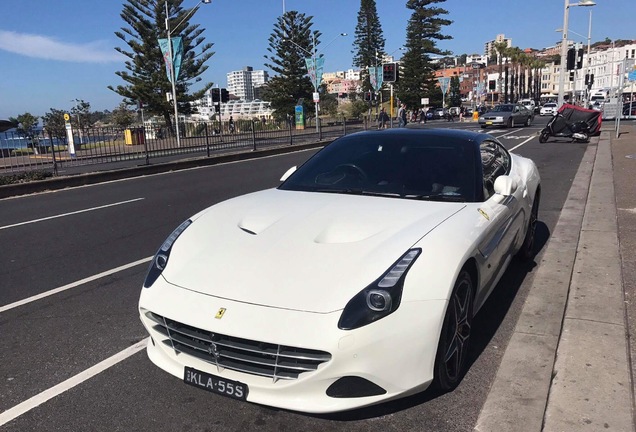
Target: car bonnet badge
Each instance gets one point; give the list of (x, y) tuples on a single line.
[(220, 313)]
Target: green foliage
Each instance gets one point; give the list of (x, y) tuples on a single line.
[(422, 33), (122, 116), (454, 95), (24, 177), (27, 123), (328, 104), (81, 115), (357, 109), (369, 41), (145, 75), (289, 44), (54, 123)]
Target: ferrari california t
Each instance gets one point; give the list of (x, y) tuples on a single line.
[(352, 283)]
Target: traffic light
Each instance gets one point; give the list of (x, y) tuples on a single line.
[(579, 58), (390, 72), (367, 96), (219, 94), (571, 75), (571, 59), (589, 80), (491, 85), (215, 94)]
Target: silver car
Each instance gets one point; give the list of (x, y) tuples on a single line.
[(507, 115)]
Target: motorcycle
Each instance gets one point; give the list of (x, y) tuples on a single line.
[(572, 122)]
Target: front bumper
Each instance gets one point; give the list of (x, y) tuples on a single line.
[(487, 121), (396, 353)]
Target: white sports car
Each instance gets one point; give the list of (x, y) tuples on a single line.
[(352, 283)]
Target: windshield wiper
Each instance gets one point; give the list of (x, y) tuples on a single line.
[(360, 192), (438, 197)]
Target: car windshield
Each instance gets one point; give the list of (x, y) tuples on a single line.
[(408, 166), (549, 105), (502, 108)]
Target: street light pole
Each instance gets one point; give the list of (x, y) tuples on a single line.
[(564, 45), (172, 70), (313, 54), (587, 64)]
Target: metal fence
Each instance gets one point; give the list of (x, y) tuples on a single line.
[(19, 153)]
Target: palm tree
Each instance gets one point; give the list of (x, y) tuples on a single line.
[(515, 57), (500, 49)]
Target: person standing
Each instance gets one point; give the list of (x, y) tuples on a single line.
[(382, 119), (402, 116)]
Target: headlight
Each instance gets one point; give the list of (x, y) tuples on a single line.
[(379, 299), (160, 260), (499, 118), (481, 118)]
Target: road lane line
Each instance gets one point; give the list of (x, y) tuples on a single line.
[(74, 284), (46, 395), (71, 213), (519, 145)]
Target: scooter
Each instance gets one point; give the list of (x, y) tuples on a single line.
[(558, 126)]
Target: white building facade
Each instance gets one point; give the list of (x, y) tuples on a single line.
[(243, 83)]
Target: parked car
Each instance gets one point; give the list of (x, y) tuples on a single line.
[(626, 106), (507, 115), (549, 108), (352, 283)]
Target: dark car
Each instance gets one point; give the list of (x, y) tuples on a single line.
[(626, 108), (507, 115)]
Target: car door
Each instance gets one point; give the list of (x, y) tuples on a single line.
[(502, 214)]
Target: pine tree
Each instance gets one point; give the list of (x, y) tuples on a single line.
[(422, 33), (369, 41), (145, 76), (289, 44), (454, 95)]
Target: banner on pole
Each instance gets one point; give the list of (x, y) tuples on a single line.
[(315, 68), (177, 56)]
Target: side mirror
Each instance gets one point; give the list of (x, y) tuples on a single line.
[(505, 185), (288, 173)]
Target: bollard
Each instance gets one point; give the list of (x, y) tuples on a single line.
[(475, 115)]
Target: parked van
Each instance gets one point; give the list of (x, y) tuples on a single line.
[(528, 103)]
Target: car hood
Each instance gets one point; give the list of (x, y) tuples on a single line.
[(299, 250), (497, 113)]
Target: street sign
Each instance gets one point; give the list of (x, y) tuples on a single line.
[(425, 101), (632, 75), (316, 97)]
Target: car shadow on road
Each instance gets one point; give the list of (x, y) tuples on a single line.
[(485, 325)]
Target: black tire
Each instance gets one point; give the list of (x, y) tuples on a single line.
[(483, 126), (526, 253), (454, 341), (529, 121), (543, 137)]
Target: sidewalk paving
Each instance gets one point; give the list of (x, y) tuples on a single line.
[(568, 364)]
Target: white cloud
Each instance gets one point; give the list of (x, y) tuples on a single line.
[(48, 48)]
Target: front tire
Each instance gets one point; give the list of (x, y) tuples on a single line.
[(454, 341), (526, 252), (529, 121), (544, 136)]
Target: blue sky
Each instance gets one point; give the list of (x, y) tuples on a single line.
[(55, 51)]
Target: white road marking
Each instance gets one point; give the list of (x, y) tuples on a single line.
[(517, 146), (74, 284), (46, 395), (71, 213)]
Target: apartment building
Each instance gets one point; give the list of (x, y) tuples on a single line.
[(243, 83)]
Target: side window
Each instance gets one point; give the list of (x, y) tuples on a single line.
[(495, 161)]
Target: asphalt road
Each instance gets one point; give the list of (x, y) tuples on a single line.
[(56, 367)]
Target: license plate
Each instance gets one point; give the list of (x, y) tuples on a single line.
[(215, 384), (488, 123)]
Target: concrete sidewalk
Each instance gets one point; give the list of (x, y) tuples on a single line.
[(568, 364)]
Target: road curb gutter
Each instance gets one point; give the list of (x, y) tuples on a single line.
[(518, 396)]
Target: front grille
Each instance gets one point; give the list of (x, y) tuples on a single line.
[(242, 355)]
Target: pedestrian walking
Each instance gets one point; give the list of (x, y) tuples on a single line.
[(231, 124)]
